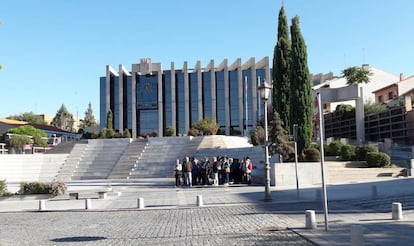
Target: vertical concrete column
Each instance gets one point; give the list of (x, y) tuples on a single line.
[(356, 235), (359, 117), (200, 200), (397, 211), (310, 219), (88, 203), (374, 192), (141, 203), (42, 205)]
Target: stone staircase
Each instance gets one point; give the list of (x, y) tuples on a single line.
[(71, 163), (99, 158), (158, 158), (128, 160), (348, 172), (30, 168)]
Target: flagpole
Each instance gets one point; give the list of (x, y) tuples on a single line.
[(258, 92), (245, 103), (321, 130)]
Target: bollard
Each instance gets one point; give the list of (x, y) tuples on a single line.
[(141, 203), (42, 205), (310, 221), (374, 192), (397, 211), (356, 235), (88, 203), (200, 200)]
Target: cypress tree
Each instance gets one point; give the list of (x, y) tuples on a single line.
[(301, 107), (281, 70)]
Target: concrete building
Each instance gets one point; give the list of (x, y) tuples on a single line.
[(147, 99)]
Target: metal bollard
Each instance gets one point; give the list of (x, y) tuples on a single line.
[(356, 235), (397, 211), (200, 200), (88, 203), (310, 221), (374, 192), (141, 203), (42, 205)]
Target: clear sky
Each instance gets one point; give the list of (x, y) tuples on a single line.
[(53, 52)]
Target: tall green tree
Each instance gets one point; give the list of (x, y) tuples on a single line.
[(109, 120), (89, 119), (280, 137), (301, 107), (281, 70), (63, 119)]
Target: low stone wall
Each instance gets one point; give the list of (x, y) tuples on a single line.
[(284, 174)]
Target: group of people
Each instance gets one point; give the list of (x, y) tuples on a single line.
[(221, 170)]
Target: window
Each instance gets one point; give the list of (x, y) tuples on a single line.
[(380, 99), (390, 95)]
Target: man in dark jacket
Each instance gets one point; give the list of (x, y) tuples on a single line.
[(187, 168)]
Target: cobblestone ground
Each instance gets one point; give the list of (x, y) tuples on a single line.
[(228, 225)]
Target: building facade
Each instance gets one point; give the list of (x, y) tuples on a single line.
[(148, 99)]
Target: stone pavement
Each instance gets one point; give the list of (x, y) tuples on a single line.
[(230, 215)]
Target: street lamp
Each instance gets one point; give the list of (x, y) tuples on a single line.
[(264, 94)]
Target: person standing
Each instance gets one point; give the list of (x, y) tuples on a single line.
[(249, 168), (187, 168), (215, 171), (226, 167), (178, 169)]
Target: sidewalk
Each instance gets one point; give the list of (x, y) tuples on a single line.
[(377, 226)]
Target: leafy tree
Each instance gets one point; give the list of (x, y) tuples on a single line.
[(18, 141), (356, 75), (279, 137), (37, 135), (374, 107), (281, 70), (207, 126), (89, 120), (28, 117), (257, 136), (347, 111), (301, 107), (63, 119), (109, 120)]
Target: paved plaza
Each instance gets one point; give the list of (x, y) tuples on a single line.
[(233, 215)]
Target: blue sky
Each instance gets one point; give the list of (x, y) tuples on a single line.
[(53, 52)]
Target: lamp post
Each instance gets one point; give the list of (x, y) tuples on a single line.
[(264, 94)]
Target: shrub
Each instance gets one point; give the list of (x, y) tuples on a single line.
[(347, 152), (33, 188), (57, 188), (312, 154), (334, 148), (361, 152), (3, 188), (170, 131), (378, 159), (193, 132)]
